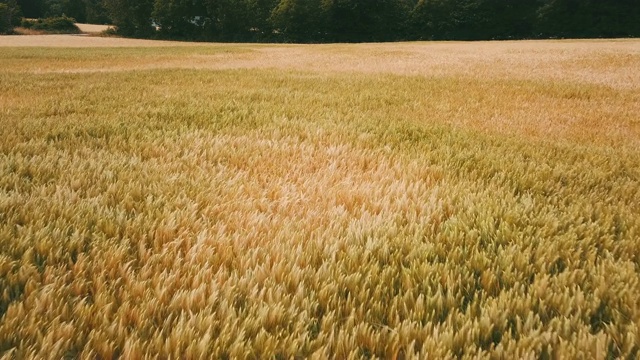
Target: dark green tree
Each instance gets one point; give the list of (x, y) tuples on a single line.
[(75, 9), (350, 20), (431, 20), (10, 15), (473, 19), (95, 12), (32, 9), (589, 18), (367, 20), (299, 20), (131, 17), (509, 19), (53, 8), (230, 20), (259, 19), (181, 19)]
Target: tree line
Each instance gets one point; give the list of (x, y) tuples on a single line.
[(310, 21)]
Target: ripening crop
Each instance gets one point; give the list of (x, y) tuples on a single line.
[(423, 200)]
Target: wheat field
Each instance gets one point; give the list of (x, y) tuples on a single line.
[(410, 200)]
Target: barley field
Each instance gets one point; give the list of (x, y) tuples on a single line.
[(410, 200)]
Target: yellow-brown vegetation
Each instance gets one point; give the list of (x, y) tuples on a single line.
[(430, 200)]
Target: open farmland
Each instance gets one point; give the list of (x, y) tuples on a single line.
[(430, 200)]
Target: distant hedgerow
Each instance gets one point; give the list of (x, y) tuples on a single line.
[(58, 25)]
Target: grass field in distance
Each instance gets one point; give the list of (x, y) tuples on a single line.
[(431, 200)]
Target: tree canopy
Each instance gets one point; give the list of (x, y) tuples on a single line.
[(351, 20), (9, 15)]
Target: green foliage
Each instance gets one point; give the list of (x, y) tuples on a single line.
[(230, 20), (5, 23), (589, 18), (473, 19), (260, 22), (76, 9), (351, 20), (57, 25), (132, 18), (89, 11), (218, 20), (95, 12), (299, 20), (9, 16), (53, 8), (377, 20), (32, 8), (371, 20), (179, 18)]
